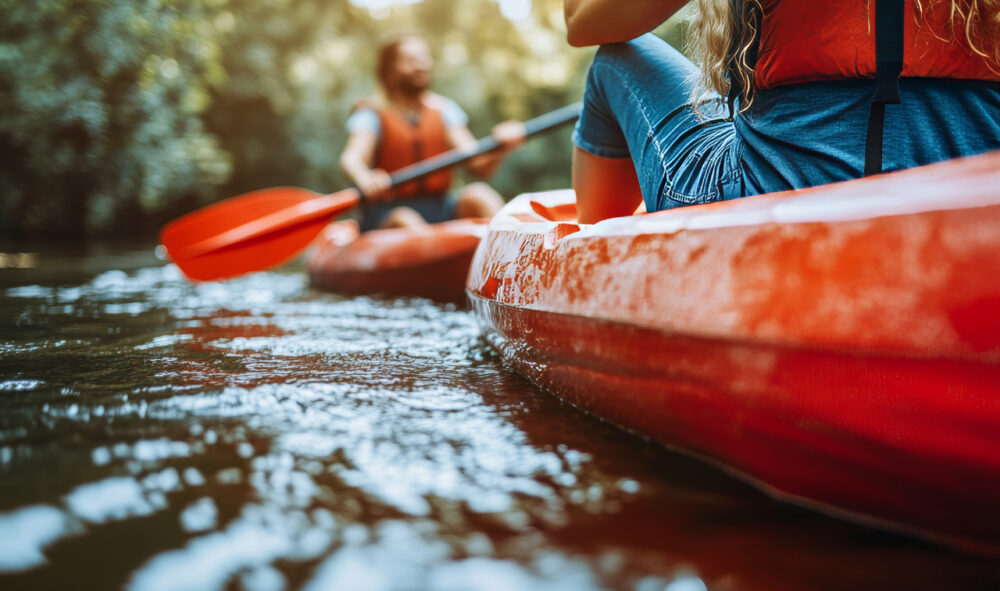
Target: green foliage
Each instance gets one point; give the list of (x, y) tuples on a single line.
[(118, 112), (102, 104)]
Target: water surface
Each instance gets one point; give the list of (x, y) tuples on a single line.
[(257, 434)]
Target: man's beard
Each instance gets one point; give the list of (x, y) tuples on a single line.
[(412, 86)]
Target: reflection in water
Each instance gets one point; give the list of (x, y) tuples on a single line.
[(259, 434)]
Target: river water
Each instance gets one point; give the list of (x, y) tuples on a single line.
[(257, 434)]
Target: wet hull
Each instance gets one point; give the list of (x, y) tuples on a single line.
[(839, 346), (429, 262)]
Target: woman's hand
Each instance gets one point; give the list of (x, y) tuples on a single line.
[(596, 22)]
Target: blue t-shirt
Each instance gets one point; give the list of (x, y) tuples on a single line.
[(809, 134)]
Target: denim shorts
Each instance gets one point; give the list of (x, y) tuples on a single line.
[(638, 105)]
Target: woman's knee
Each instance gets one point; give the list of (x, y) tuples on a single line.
[(630, 52), (645, 59), (622, 81)]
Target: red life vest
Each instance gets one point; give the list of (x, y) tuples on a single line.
[(812, 40), (403, 142)]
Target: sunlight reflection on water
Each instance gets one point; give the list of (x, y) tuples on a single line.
[(257, 434), (361, 408)]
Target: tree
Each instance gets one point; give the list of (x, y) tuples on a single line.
[(102, 104), (119, 111)]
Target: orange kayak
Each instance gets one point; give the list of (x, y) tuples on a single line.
[(430, 261), (837, 346)]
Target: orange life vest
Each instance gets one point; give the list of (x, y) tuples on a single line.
[(811, 40), (403, 142)]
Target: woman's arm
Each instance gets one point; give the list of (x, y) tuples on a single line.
[(595, 22)]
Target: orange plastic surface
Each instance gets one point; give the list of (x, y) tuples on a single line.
[(431, 261), (839, 346), (251, 232)]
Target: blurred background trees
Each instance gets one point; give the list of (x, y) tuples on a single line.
[(121, 114)]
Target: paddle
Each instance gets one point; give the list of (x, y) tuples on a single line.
[(266, 228)]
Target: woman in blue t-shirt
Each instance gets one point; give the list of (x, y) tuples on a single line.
[(783, 98)]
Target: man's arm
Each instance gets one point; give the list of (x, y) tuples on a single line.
[(595, 22), (356, 161)]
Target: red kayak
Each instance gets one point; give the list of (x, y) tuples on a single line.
[(431, 261), (837, 346)]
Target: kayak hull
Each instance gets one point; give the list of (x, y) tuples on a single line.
[(430, 262), (839, 347)]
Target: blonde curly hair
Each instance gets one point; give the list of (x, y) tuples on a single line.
[(723, 47)]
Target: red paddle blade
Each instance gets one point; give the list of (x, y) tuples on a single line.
[(251, 232)]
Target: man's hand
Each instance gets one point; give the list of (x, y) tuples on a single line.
[(510, 134), (374, 183)]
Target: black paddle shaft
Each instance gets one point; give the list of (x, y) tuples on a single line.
[(543, 123)]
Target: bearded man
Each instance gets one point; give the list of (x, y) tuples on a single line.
[(403, 123)]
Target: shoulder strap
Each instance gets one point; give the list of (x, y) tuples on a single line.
[(889, 21)]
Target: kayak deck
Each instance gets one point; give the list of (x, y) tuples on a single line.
[(838, 346)]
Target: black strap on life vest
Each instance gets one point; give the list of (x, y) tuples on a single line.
[(888, 66)]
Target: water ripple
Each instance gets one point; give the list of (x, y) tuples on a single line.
[(254, 433)]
